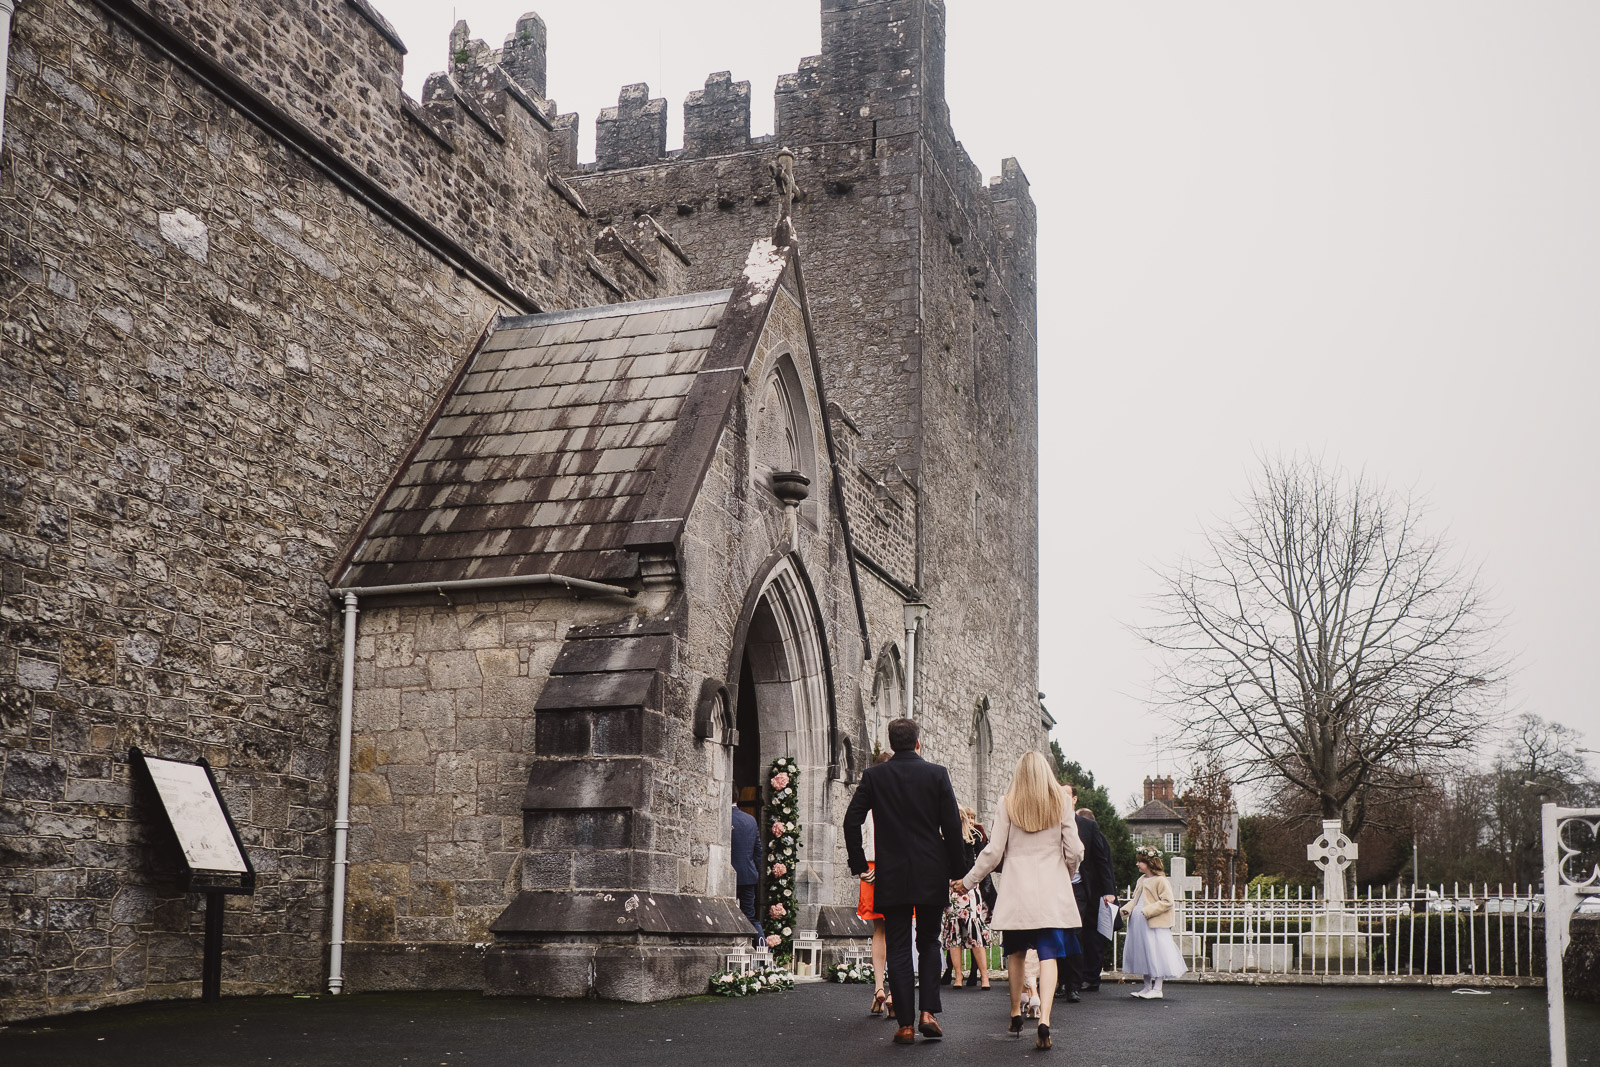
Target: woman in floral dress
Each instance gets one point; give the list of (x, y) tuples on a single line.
[(966, 921)]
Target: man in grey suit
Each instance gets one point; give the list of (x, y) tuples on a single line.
[(917, 841)]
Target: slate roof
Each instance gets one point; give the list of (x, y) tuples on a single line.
[(540, 456), (1158, 811)]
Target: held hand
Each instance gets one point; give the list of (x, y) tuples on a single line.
[(1110, 898), (957, 885), (869, 877)]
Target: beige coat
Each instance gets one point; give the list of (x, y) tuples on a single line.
[(1035, 890), (1157, 903)]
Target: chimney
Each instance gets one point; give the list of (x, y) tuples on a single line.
[(1149, 791)]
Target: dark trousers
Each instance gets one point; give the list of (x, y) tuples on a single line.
[(747, 903), (1083, 970), (897, 940)]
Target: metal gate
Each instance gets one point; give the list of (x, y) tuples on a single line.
[(1571, 875)]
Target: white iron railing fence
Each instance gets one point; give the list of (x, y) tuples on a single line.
[(1473, 931)]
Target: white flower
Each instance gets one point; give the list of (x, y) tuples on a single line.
[(787, 931)]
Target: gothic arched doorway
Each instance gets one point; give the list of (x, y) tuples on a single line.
[(782, 709)]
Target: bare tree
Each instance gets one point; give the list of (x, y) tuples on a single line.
[(1212, 833), (1538, 761), (1325, 640)]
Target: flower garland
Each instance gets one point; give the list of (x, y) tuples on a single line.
[(745, 983), (850, 972), (783, 845)]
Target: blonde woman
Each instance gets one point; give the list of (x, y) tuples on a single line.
[(1036, 835)]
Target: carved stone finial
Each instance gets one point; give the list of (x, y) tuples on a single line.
[(782, 170)]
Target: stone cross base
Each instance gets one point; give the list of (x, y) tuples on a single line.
[(1334, 935), (639, 973), (1273, 959)]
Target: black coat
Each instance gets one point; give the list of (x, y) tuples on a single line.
[(916, 829), (1098, 878), (745, 842)]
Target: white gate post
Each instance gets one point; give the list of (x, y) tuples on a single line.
[(1556, 919), (1563, 885)]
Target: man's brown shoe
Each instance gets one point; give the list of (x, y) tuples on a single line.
[(930, 1026), (906, 1035)]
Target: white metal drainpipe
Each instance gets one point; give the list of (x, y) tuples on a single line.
[(7, 7), (341, 817), (915, 612)]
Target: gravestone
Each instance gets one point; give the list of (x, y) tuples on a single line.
[(1335, 933), (1334, 853), (1184, 887)]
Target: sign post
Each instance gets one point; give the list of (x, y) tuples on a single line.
[(213, 854)]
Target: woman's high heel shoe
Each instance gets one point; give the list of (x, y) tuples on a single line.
[(1016, 1026), (1043, 1040), (888, 1006), (877, 1003)]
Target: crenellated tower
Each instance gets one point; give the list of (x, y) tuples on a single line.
[(923, 291)]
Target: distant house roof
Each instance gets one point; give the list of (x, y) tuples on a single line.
[(1158, 811), (541, 454)]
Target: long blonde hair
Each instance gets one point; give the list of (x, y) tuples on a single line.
[(969, 825), (1034, 801)]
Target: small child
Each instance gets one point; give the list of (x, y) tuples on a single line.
[(1150, 950)]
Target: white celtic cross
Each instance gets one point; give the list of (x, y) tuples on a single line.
[(1333, 852)]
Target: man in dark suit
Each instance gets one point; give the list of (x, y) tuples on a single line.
[(917, 834), (746, 842), (1095, 883)]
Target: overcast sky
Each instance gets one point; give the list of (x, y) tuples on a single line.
[(1368, 231)]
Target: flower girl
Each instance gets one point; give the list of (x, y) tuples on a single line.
[(1150, 950)]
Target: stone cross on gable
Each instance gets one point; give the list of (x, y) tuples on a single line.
[(1333, 852)]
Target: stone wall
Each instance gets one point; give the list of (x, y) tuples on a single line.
[(214, 356), (444, 735), (921, 282)]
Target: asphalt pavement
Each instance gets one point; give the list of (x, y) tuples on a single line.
[(1209, 1025)]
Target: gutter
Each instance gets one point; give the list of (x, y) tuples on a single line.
[(349, 596), (7, 8)]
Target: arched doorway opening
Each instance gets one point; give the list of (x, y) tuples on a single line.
[(782, 709)]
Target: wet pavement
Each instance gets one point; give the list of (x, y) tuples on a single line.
[(1210, 1025)]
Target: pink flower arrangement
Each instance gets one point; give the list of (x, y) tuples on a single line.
[(773, 940), (780, 780), (776, 911), (779, 870), (778, 829)]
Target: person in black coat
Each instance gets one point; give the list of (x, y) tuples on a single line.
[(917, 832), (1095, 883)]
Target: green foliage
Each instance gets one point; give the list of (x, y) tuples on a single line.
[(783, 847), (1267, 885), (1098, 800)]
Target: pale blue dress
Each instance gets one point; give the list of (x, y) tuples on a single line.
[(1150, 950)]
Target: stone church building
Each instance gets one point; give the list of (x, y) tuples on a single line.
[(486, 520)]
